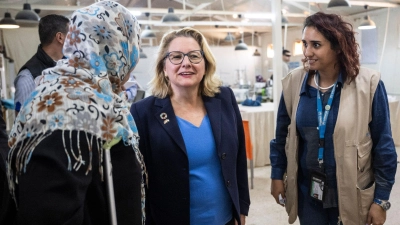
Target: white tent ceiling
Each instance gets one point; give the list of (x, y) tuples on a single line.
[(213, 17)]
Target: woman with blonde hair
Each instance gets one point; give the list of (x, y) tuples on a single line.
[(192, 138)]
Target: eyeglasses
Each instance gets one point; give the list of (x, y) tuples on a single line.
[(176, 57)]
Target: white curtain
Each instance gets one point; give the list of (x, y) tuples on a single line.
[(21, 44)]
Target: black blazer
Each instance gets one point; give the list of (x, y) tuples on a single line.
[(164, 152)]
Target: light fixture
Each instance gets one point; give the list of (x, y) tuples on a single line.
[(8, 22), (241, 46), (298, 48), (27, 16), (367, 23), (270, 51), (136, 13), (256, 53), (229, 37), (147, 33), (338, 3), (142, 55), (284, 19), (170, 17)]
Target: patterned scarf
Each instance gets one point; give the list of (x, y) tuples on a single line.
[(83, 92)]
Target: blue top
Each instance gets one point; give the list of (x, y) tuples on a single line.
[(384, 163), (210, 202)]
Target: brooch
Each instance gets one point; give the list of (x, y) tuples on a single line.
[(164, 117)]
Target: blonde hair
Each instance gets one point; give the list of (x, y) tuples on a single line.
[(210, 83)]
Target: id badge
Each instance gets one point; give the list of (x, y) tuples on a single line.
[(318, 182)]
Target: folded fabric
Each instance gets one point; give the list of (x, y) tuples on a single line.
[(249, 102), (8, 103)]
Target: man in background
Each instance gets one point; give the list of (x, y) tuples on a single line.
[(285, 60), (53, 30)]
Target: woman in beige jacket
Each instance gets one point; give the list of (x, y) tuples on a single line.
[(333, 144)]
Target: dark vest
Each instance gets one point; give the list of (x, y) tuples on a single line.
[(38, 63)]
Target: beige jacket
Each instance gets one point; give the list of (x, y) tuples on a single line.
[(352, 144)]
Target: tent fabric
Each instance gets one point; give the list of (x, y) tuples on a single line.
[(21, 44)]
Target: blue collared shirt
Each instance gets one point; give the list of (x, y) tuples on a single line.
[(383, 150)]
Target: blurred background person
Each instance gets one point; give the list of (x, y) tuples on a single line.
[(53, 30), (333, 135), (134, 91), (192, 138), (285, 62), (77, 111)]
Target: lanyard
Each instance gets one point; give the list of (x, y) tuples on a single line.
[(322, 121)]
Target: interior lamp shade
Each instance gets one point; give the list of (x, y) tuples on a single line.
[(338, 3), (170, 17), (241, 46), (8, 22), (27, 17), (147, 33), (229, 37), (366, 24)]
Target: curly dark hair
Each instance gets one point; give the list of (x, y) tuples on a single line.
[(341, 36), (50, 25)]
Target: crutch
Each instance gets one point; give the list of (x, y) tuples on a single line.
[(109, 179)]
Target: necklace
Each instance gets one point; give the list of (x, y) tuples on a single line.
[(322, 88)]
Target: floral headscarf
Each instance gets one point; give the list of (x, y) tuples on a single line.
[(83, 92)]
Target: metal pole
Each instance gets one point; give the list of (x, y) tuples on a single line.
[(110, 186)]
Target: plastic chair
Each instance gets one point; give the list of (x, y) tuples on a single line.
[(249, 150)]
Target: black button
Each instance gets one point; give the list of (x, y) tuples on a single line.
[(228, 183), (223, 155)]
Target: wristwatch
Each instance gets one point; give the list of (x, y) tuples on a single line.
[(382, 203)]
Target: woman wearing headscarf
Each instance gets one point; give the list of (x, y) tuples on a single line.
[(55, 165)]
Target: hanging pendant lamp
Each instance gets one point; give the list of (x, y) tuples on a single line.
[(170, 17), (142, 55), (229, 37), (256, 53), (27, 17), (8, 22), (147, 33), (367, 23), (241, 46), (338, 3)]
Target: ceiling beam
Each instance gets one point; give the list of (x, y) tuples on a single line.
[(196, 9), (211, 23), (359, 3), (299, 6), (153, 11)]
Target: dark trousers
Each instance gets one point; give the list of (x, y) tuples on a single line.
[(312, 212)]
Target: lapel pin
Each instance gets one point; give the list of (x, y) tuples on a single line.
[(163, 116), (166, 121)]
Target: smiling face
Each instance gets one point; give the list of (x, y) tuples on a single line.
[(318, 51), (186, 75)]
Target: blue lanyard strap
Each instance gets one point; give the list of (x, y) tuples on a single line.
[(322, 119)]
